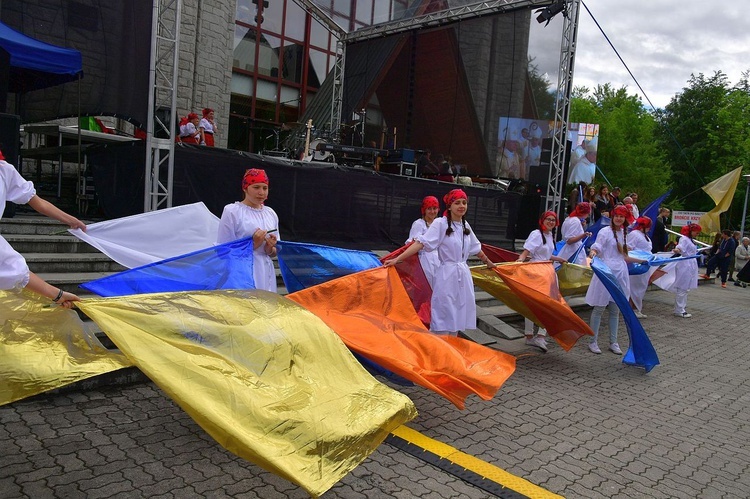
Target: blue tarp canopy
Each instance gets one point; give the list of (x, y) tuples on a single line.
[(35, 64)]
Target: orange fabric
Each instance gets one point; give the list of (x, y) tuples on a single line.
[(370, 311), (535, 284), (415, 282), (499, 255)]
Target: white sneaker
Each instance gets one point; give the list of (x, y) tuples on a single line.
[(615, 348), (640, 315), (543, 339), (684, 315), (594, 347), (538, 342)]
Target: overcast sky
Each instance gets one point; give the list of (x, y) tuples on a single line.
[(663, 42)]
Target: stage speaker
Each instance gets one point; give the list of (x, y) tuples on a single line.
[(529, 210), (10, 137), (539, 175)]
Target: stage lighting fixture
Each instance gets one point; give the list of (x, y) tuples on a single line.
[(547, 13)]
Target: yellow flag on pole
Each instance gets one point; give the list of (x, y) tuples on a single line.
[(44, 347), (721, 191), (267, 379)]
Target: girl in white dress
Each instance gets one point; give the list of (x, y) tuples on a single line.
[(538, 248), (453, 303), (573, 233), (252, 217), (428, 259), (638, 240), (208, 127), (686, 272), (14, 272), (612, 247)]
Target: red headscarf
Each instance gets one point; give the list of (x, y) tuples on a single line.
[(621, 211), (429, 202), (451, 198), (642, 223), (254, 176), (545, 215), (2, 158), (582, 210), (687, 229), (192, 116), (207, 111)]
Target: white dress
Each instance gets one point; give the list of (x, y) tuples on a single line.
[(453, 303), (571, 228), (240, 220), (206, 125), (539, 251), (686, 272), (606, 249), (14, 273), (583, 171), (638, 283), (428, 259)]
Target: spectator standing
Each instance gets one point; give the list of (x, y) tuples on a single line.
[(722, 258), (736, 236), (659, 237), (741, 256)]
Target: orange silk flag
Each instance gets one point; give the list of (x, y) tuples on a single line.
[(371, 312), (535, 284)]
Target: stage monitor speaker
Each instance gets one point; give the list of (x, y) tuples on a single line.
[(531, 207), (10, 137)]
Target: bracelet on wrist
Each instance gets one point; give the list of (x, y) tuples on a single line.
[(59, 295)]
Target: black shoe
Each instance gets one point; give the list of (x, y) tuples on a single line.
[(737, 284), (730, 280)]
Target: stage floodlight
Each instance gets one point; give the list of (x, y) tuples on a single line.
[(547, 13)]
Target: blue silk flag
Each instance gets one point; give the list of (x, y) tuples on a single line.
[(652, 211), (641, 352), (594, 228), (303, 265), (224, 266), (653, 260)]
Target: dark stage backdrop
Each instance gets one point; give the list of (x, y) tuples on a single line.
[(334, 205), (114, 39)]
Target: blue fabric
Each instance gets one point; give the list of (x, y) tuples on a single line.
[(303, 265), (641, 352), (653, 260), (558, 246), (652, 211), (225, 266), (574, 256), (56, 64)]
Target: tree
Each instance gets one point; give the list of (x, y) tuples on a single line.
[(544, 98)]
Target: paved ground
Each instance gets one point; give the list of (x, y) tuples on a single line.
[(575, 423)]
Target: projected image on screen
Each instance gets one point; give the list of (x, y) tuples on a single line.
[(519, 147)]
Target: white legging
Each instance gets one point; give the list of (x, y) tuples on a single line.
[(614, 319), (530, 328), (680, 300)]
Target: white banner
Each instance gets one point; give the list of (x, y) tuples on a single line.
[(682, 218)]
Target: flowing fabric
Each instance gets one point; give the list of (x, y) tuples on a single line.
[(535, 285), (499, 255), (415, 282), (43, 348), (150, 237), (264, 377), (225, 266), (721, 191), (574, 279), (303, 265), (641, 352), (371, 312)]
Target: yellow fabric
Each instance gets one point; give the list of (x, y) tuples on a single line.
[(263, 376), (721, 191), (43, 347), (574, 279)]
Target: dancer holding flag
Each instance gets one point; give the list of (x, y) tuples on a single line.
[(14, 272), (573, 233), (539, 247), (453, 306), (639, 283), (428, 259), (687, 270), (612, 247), (251, 217)]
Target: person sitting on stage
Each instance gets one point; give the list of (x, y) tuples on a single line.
[(252, 217), (428, 259), (14, 272), (208, 127), (425, 166), (190, 133)]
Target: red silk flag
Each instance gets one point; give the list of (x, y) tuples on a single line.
[(535, 284), (499, 255), (370, 311), (415, 283)]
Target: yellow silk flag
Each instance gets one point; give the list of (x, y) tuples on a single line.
[(721, 191), (535, 286), (263, 376), (43, 347), (574, 279)]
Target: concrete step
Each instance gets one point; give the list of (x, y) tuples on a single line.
[(29, 224), (48, 263), (47, 243)]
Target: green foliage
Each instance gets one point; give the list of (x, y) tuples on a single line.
[(628, 155)]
